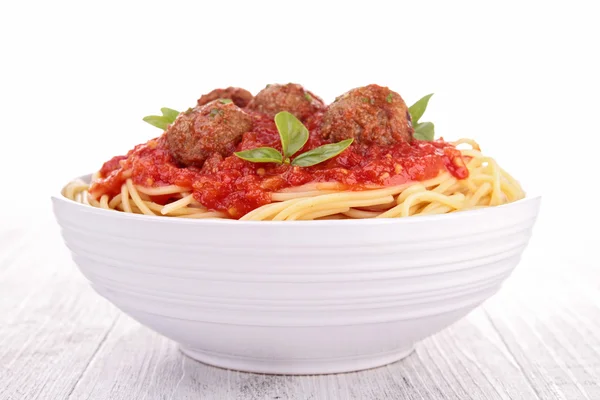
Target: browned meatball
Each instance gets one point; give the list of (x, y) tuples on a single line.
[(291, 97), (240, 97), (202, 131), (370, 114)]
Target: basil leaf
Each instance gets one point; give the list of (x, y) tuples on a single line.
[(424, 131), (322, 153), (292, 132), (225, 101), (261, 155), (418, 109), (157, 121), (169, 114), (162, 121)]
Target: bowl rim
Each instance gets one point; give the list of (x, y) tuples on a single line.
[(59, 197)]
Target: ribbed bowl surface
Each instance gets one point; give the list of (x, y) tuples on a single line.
[(297, 297)]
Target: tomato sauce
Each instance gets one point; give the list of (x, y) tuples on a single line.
[(235, 186)]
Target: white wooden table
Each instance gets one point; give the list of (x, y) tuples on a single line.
[(539, 338)]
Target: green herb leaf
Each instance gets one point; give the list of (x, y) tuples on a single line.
[(261, 155), (162, 121), (424, 131), (322, 153), (307, 96), (169, 113), (418, 109), (225, 101), (292, 132), (157, 121), (388, 98)]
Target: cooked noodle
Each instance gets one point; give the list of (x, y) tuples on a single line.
[(487, 185)]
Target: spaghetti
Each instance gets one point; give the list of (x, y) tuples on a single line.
[(487, 184), (284, 155)]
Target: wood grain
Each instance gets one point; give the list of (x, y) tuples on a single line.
[(51, 322), (59, 340)]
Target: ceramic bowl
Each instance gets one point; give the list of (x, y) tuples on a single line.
[(306, 297)]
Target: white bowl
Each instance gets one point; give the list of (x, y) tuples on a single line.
[(306, 297)]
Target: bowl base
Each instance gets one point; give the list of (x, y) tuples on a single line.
[(297, 366)]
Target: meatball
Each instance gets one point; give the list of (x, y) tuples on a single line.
[(204, 130), (291, 97), (240, 97), (371, 115)]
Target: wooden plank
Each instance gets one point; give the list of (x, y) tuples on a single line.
[(51, 322), (547, 322), (466, 361), (473, 359)]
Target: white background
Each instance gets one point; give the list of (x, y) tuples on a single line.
[(521, 78)]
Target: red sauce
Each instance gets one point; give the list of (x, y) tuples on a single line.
[(237, 187)]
